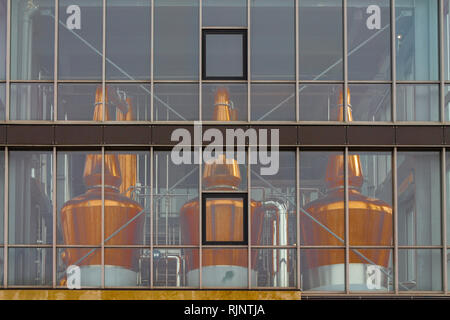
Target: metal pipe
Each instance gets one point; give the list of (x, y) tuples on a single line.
[(178, 269)]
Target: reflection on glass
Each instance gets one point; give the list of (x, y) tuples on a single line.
[(369, 33), (447, 103), (79, 266), (235, 97), (371, 270), (232, 13), (226, 268), (32, 39), (273, 102), (318, 102), (127, 201), (371, 102), (176, 267), (419, 194), (370, 198), (175, 201), (126, 267), (273, 39), (76, 101), (321, 198), (419, 269), (275, 196), (2, 101), (275, 268), (176, 39), (128, 102), (71, 185), (30, 197), (2, 39), (417, 39), (446, 44), (322, 269), (30, 267), (221, 172), (80, 44), (417, 102), (224, 55), (320, 56), (175, 101), (128, 39), (31, 101)]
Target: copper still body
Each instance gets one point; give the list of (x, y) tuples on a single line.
[(81, 218), (370, 223)]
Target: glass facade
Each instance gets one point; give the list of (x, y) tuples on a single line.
[(102, 200)]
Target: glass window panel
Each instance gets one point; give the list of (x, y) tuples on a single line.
[(237, 100), (175, 101), (218, 174), (126, 267), (2, 39), (322, 269), (128, 39), (226, 268), (417, 39), (447, 103), (30, 197), (32, 39), (319, 102), (30, 267), (175, 201), (224, 55), (88, 260), (369, 40), (76, 101), (322, 198), (176, 267), (370, 270), (446, 6), (31, 101), (420, 269), (2, 195), (321, 51), (80, 46), (273, 102), (275, 268), (273, 39), (176, 39), (370, 198), (127, 200), (371, 102), (419, 198), (128, 102), (79, 221), (230, 13), (447, 182), (418, 102), (273, 200), (2, 101)]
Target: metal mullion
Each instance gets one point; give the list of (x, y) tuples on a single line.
[(200, 200), (444, 218), (297, 65), (345, 60), (199, 148), (346, 223), (249, 74), (393, 65), (104, 61), (249, 222), (152, 68), (103, 219), (441, 61), (151, 216), (55, 59), (8, 58), (54, 172), (200, 63), (395, 222), (5, 219), (297, 179)]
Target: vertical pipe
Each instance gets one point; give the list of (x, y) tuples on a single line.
[(5, 225), (345, 60), (54, 172), (395, 208), (55, 75), (393, 64), (151, 217), (297, 174), (444, 218), (346, 223)]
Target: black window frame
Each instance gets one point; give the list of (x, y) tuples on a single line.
[(243, 33), (230, 195)]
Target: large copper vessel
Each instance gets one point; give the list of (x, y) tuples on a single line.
[(81, 218), (370, 223), (224, 216)]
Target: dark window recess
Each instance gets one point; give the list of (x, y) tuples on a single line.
[(224, 54), (224, 219)]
